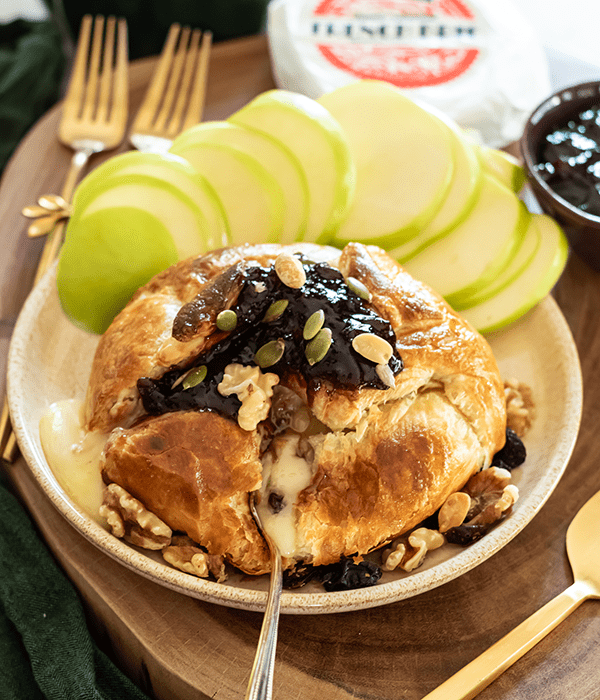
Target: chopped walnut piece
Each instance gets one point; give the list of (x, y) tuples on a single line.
[(408, 554), (492, 495), (454, 511), (184, 554), (253, 388), (392, 557), (520, 408), (496, 509), (129, 519)]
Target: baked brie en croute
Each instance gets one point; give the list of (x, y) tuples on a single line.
[(347, 393)]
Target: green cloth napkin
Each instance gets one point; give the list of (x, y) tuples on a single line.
[(46, 651), (31, 68)]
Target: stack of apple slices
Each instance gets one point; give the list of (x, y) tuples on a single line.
[(363, 163)]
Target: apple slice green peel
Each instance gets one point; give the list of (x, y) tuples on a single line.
[(251, 196), (456, 207), (523, 258), (281, 163), (530, 287), (105, 258), (174, 172), (319, 144), (122, 232), (478, 249)]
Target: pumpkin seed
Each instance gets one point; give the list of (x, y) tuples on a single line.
[(313, 324), (270, 353), (318, 347), (373, 347), (195, 377), (358, 288), (275, 310), (290, 270), (227, 320), (384, 372)]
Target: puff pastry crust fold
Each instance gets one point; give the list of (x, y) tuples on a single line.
[(381, 461)]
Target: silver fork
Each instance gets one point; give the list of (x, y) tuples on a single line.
[(94, 119), (175, 98)]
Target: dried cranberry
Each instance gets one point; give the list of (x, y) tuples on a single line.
[(513, 453), (347, 576), (466, 534)]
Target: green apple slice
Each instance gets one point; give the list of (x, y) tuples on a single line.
[(458, 204), (309, 131), (404, 162), (504, 166), (171, 169), (177, 212), (525, 254), (478, 249), (106, 256), (530, 287), (273, 155), (252, 198)]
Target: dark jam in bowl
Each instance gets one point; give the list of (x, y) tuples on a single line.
[(346, 315), (569, 160)]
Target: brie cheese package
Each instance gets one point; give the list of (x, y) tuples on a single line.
[(476, 60)]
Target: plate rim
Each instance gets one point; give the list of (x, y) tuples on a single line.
[(291, 603)]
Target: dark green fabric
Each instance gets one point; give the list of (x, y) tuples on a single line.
[(31, 68), (46, 651)]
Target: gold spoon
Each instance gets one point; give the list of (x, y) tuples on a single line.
[(260, 686), (583, 550)]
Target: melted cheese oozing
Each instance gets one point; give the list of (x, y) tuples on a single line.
[(286, 474), (73, 454)]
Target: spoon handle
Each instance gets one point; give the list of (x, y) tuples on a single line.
[(479, 673), (260, 686)]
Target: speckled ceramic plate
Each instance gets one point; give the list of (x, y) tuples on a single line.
[(49, 360)]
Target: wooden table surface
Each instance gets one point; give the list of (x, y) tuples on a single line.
[(180, 648)]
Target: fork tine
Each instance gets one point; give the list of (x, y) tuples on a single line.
[(94, 67), (197, 98), (106, 74), (150, 104), (76, 87), (172, 129), (121, 84), (176, 69)]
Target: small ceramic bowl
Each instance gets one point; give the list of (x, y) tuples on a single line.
[(582, 229)]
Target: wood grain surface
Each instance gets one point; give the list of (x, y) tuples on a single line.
[(180, 648)]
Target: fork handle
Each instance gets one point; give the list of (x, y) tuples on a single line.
[(477, 675), (260, 686), (54, 240)]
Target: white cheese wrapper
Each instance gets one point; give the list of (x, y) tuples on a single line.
[(476, 60)]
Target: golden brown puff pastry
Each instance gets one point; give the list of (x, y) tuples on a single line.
[(194, 469), (376, 461)]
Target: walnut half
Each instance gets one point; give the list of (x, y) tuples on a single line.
[(184, 554), (128, 519)]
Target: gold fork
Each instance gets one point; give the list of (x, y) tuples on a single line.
[(94, 119), (175, 98), (173, 102)]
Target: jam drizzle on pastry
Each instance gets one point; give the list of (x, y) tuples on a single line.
[(271, 319)]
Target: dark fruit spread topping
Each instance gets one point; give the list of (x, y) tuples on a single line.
[(569, 160), (319, 331)]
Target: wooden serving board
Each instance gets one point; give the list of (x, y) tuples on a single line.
[(180, 648)]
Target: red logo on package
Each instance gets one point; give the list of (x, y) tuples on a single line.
[(409, 43)]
